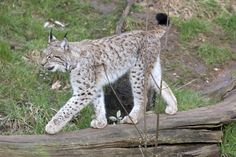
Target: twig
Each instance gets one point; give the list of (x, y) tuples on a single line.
[(140, 148), (3, 118), (117, 97), (168, 25), (145, 84), (186, 84), (157, 114), (157, 108), (124, 15)]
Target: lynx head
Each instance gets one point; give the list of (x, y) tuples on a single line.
[(55, 56)]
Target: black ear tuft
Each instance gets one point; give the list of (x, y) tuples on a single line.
[(162, 19), (65, 35), (50, 35)]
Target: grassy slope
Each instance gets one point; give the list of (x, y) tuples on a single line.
[(215, 51), (26, 101), (217, 26)]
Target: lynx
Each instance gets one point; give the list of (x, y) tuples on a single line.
[(93, 63)]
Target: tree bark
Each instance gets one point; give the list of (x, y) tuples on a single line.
[(196, 132)]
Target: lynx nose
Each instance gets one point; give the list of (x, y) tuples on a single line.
[(43, 62)]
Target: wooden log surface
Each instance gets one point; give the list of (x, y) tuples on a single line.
[(200, 150), (186, 132)]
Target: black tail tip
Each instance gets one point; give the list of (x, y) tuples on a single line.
[(162, 19)]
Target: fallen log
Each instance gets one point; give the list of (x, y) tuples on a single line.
[(189, 133), (162, 151)]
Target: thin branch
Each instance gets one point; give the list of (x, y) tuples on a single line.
[(117, 97), (145, 83), (168, 24), (186, 84), (120, 23)]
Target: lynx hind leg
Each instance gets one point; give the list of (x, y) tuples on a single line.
[(100, 120), (166, 92), (169, 98), (137, 84)]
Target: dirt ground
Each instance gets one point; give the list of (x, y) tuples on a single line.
[(213, 81), (216, 81), (181, 66)]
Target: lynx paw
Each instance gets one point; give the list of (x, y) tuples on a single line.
[(127, 119), (53, 127), (98, 123), (171, 110)]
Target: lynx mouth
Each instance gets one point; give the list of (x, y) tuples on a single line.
[(50, 68)]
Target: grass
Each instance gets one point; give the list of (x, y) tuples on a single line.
[(5, 53), (228, 22), (132, 23), (137, 8), (208, 8), (208, 18), (228, 146), (190, 28), (206, 15), (26, 101), (187, 99), (212, 54)]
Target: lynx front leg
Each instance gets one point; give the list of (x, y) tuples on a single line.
[(66, 113), (100, 120), (83, 84)]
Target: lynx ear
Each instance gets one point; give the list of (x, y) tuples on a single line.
[(65, 44), (51, 37), (65, 35)]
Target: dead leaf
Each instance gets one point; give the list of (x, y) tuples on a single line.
[(56, 85), (67, 86)]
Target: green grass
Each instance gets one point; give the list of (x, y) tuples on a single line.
[(228, 22), (137, 8), (26, 101), (212, 54), (190, 28), (228, 146), (187, 99), (208, 8), (5, 52), (132, 23)]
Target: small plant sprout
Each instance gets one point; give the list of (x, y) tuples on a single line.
[(116, 119)]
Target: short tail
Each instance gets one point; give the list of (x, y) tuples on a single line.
[(162, 19), (163, 22)]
